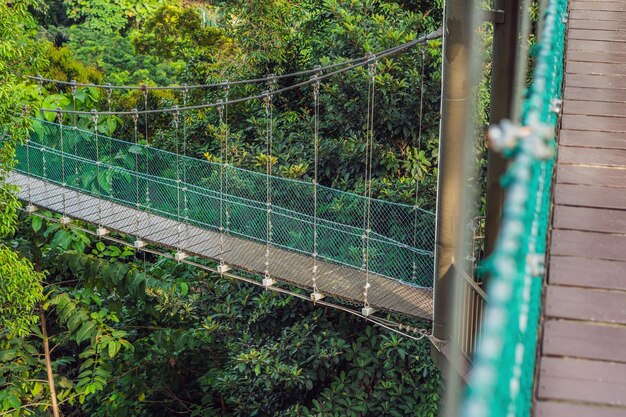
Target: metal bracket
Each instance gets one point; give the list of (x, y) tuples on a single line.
[(179, 256), (30, 209), (65, 220), (138, 244), (493, 16), (316, 296), (268, 282), (101, 231), (367, 311), (222, 269)]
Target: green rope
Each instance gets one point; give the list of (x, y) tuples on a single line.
[(502, 377)]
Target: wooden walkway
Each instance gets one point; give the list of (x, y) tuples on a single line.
[(582, 364), (336, 280)]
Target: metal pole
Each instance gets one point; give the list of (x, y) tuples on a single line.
[(502, 104), (456, 105)]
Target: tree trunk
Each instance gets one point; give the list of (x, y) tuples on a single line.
[(46, 350)]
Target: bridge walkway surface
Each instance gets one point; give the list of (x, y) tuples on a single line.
[(336, 280), (581, 368)]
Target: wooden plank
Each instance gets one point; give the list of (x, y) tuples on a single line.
[(582, 380), (598, 15), (594, 108), (592, 46), (597, 35), (598, 5), (605, 306), (592, 156), (594, 94), (589, 219), (595, 68), (587, 272), (591, 139), (584, 340), (602, 176), (588, 244), (593, 24), (596, 81), (597, 123), (596, 56), (589, 196), (562, 409)]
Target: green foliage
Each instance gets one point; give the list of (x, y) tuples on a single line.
[(173, 32), (20, 290), (153, 338)]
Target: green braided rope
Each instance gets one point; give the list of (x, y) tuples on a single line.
[(502, 377)]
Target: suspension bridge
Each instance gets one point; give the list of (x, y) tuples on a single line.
[(550, 341), (350, 247)]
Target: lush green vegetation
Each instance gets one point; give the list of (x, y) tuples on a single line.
[(120, 333)]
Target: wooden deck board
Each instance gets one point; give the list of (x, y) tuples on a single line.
[(599, 56), (582, 380), (590, 175), (611, 16), (594, 341), (588, 196), (584, 272), (561, 409), (333, 279), (597, 68), (590, 219), (594, 108), (585, 304), (592, 156), (582, 361)]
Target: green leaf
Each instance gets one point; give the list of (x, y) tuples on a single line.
[(14, 401), (36, 223), (114, 347), (85, 331)]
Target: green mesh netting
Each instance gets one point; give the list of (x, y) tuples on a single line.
[(502, 376), (401, 239)]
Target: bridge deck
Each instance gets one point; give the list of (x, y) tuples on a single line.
[(336, 280), (582, 368)]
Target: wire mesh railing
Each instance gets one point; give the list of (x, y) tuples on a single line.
[(501, 380), (401, 238)]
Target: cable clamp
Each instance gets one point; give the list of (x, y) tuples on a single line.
[(316, 296), (536, 264), (556, 105), (505, 135), (368, 311)]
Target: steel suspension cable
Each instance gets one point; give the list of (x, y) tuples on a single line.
[(175, 120), (94, 119), (268, 182), (220, 111), (64, 218), (417, 173), (316, 105), (76, 170), (368, 181), (366, 61), (185, 196), (29, 208), (145, 122), (135, 119), (353, 61)]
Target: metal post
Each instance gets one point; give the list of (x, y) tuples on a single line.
[(503, 84), (456, 104)]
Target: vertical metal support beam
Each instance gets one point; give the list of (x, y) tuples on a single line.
[(456, 105), (504, 71)]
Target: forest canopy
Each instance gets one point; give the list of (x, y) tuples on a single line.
[(101, 329)]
